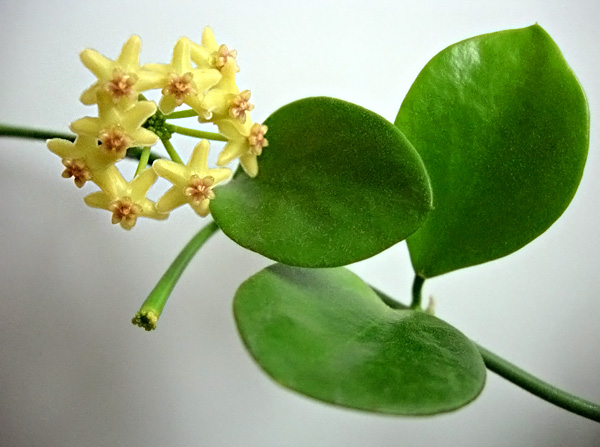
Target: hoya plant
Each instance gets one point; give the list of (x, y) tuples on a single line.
[(486, 152)]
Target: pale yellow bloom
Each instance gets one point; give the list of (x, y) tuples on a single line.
[(82, 159), (209, 54), (121, 78), (118, 129), (246, 141), (225, 101), (182, 83), (126, 200), (192, 183)]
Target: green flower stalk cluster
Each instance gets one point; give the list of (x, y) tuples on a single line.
[(201, 76)]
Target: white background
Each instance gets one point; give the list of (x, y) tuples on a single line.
[(75, 372)]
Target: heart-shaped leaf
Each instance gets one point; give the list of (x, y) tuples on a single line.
[(337, 184), (502, 126), (326, 334)]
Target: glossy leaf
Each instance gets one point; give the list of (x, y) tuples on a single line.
[(502, 126), (326, 334), (336, 184)]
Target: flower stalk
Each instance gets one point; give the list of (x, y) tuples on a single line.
[(144, 156), (416, 292), (171, 151), (150, 311), (181, 114), (198, 133)]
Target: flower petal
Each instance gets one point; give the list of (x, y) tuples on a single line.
[(220, 174), (162, 69), (62, 148), (148, 80), (172, 199), (233, 149), (150, 211), (88, 97), (228, 72), (173, 172), (199, 158), (130, 54), (181, 61), (86, 126), (167, 104), (205, 79), (208, 39), (144, 137), (140, 185), (200, 56), (100, 65), (138, 114), (110, 181), (98, 200), (250, 164), (202, 209)]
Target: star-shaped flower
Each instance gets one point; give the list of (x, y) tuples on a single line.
[(209, 54), (121, 78), (246, 141), (118, 129), (126, 201), (182, 83), (225, 101), (192, 183), (82, 159)]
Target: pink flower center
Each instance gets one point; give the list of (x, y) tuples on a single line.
[(121, 85), (78, 170), (198, 188), (180, 87), (240, 105), (222, 55), (256, 139), (125, 212), (115, 140)]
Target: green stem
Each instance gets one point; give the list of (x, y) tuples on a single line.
[(538, 387), (181, 114), (151, 309), (523, 379), (40, 134), (145, 155), (136, 153), (416, 292), (36, 134), (199, 133), (171, 151)]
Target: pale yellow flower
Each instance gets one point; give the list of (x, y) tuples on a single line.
[(246, 141), (209, 54), (182, 83), (118, 129), (126, 200), (225, 101), (82, 159), (192, 183), (121, 78)]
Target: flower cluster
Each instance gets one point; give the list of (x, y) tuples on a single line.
[(202, 76)]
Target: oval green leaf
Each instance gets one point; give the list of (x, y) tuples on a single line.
[(502, 126), (326, 334), (337, 184)]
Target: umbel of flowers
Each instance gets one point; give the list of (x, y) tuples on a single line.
[(201, 76)]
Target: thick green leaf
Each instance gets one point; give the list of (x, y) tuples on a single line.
[(502, 126), (326, 334), (337, 184)]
